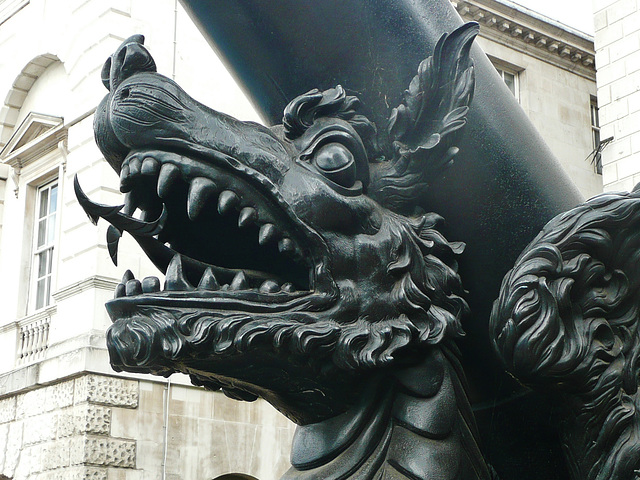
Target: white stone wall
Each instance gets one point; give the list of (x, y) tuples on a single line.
[(57, 421), (57, 49), (617, 39)]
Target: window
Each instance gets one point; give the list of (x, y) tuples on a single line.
[(44, 240), (595, 136), (510, 79)]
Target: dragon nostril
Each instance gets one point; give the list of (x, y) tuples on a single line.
[(125, 93)]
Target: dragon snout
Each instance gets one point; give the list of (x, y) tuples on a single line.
[(131, 57)]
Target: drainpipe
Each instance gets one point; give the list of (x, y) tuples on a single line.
[(165, 426)]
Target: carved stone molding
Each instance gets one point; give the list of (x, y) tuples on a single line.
[(96, 281), (550, 42)]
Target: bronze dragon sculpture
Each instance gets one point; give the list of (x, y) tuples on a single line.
[(298, 269)]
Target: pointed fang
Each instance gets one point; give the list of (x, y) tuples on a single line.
[(208, 281), (130, 204), (200, 191), (169, 175), (269, 286), (175, 279), (128, 275), (228, 201), (286, 245), (267, 233), (248, 216), (239, 282)]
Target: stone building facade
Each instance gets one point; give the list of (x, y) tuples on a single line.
[(617, 39), (64, 414), (551, 69)]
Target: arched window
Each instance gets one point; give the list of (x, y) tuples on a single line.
[(235, 476)]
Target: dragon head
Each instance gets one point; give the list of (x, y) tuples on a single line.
[(291, 265)]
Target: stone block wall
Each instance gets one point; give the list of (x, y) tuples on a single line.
[(63, 431), (617, 40), (96, 427)]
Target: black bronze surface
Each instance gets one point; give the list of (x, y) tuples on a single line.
[(302, 266), (503, 187), (298, 268), (566, 324), (505, 179)]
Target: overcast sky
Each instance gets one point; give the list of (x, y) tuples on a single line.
[(575, 13)]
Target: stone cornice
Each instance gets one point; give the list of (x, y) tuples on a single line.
[(43, 314), (546, 40), (97, 281)]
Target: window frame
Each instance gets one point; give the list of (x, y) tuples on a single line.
[(596, 138), (48, 247), (503, 71)]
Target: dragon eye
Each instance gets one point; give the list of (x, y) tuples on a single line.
[(336, 162)]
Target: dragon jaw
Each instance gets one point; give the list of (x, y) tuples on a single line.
[(278, 263)]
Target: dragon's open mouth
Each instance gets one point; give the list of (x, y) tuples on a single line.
[(211, 231)]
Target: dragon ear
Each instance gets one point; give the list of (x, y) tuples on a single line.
[(423, 129)]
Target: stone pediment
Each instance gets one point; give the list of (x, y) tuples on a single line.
[(37, 135)]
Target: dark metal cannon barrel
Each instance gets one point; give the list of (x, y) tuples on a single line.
[(504, 186)]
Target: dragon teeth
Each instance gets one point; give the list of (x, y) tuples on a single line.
[(124, 176), (133, 287), (239, 282), (200, 190), (288, 287), (150, 166), (227, 202), (120, 291), (175, 279), (267, 233), (169, 175), (150, 285), (269, 286), (134, 166), (113, 238), (128, 275), (208, 281), (248, 216), (286, 245)]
